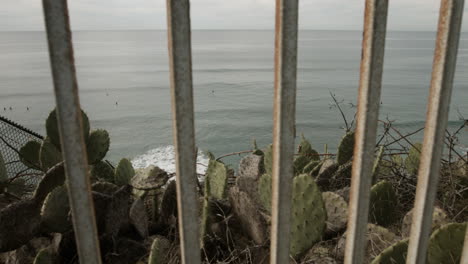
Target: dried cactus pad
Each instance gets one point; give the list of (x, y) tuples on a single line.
[(3, 171), (446, 244), (412, 161), (394, 254), (97, 145), (383, 201), (439, 218), (308, 215), (345, 149), (337, 212), (123, 172), (216, 175), (53, 131), (29, 154)]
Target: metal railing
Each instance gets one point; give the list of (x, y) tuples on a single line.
[(179, 32)]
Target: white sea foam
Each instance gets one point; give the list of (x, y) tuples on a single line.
[(164, 158)]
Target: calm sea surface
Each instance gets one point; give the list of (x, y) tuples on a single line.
[(233, 86)]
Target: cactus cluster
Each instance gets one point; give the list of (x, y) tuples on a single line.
[(46, 155)]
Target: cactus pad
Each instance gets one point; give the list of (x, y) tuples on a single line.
[(102, 171), (306, 155), (345, 149), (382, 205), (377, 164), (45, 256), (17, 187), (268, 159), (159, 249), (446, 244), (412, 161), (123, 172), (53, 130), (394, 254), (104, 187), (29, 154), (308, 215), (216, 175), (264, 191), (97, 145), (49, 155), (55, 210)]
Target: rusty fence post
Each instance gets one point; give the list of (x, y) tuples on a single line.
[(70, 126)]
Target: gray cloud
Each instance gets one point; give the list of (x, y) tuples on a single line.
[(219, 14)]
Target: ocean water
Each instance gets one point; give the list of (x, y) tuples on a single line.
[(123, 78)]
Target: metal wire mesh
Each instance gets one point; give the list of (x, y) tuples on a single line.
[(12, 137)]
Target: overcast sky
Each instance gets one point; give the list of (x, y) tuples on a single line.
[(220, 14)]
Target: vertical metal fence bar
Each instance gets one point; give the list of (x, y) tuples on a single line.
[(180, 60), (70, 126), (443, 71), (373, 47), (284, 126)]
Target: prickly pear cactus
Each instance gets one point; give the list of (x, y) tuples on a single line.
[(159, 249), (439, 218), (337, 212), (54, 211), (382, 205), (377, 165), (216, 175), (308, 215), (306, 155), (45, 256), (394, 254), (446, 244), (3, 171), (412, 161), (49, 155), (345, 149), (268, 159), (205, 219), (53, 130), (264, 191), (123, 172), (97, 145), (102, 171), (29, 154)]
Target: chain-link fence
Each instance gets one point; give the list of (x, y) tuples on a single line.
[(12, 137)]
